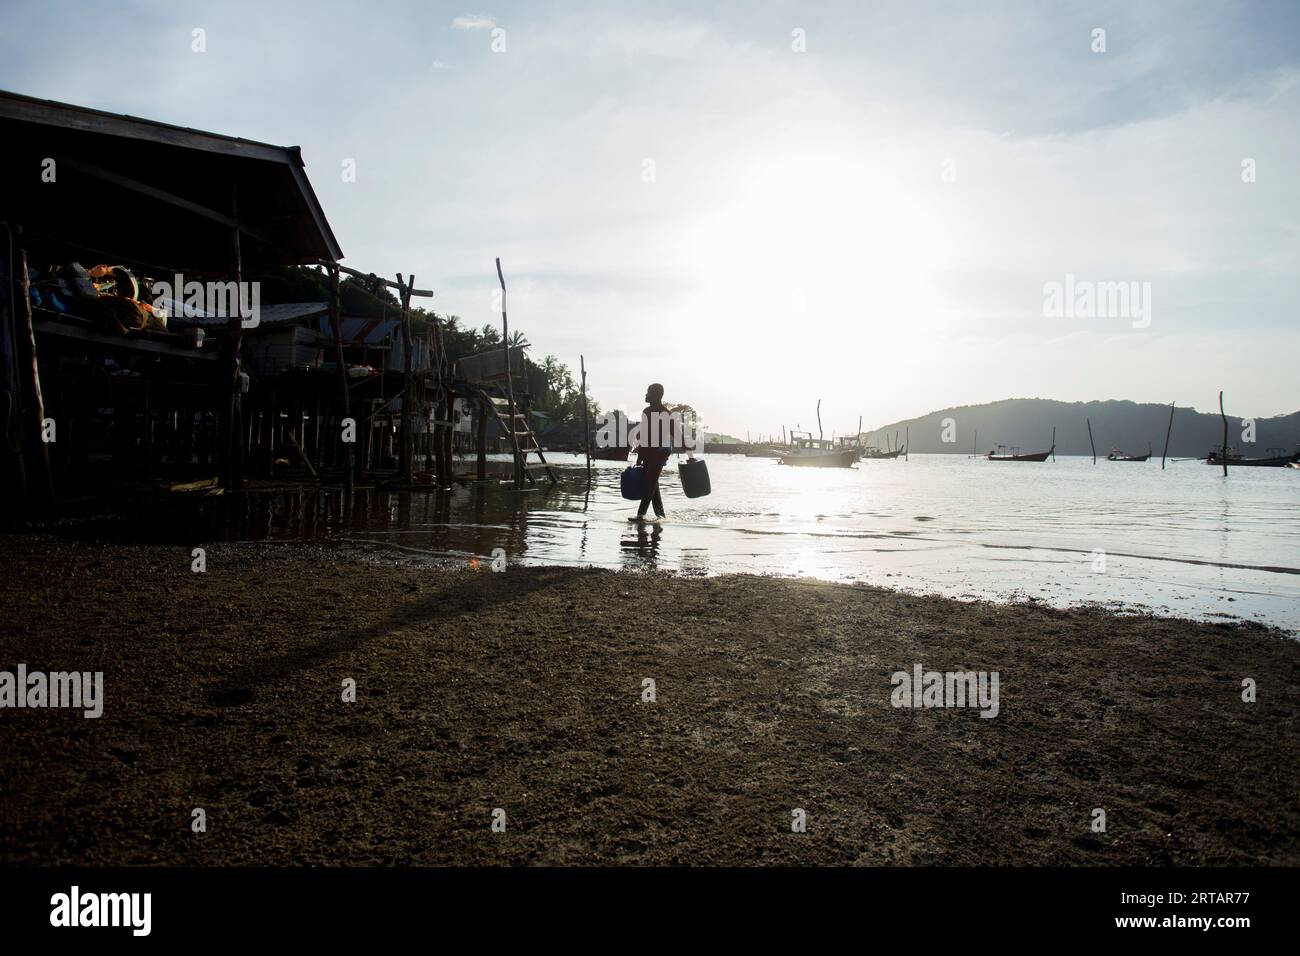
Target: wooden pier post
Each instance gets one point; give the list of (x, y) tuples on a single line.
[(36, 459), (510, 384), (1169, 432), (1224, 454), (231, 446), (480, 426), (408, 387), (586, 425), (336, 327)]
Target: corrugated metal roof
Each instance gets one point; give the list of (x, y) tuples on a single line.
[(297, 225), (285, 313), (360, 329)]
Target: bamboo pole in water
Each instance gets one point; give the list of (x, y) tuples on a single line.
[(1225, 435), (1090, 444), (1169, 432), (586, 428), (907, 443)]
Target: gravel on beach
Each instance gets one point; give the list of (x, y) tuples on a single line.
[(522, 696)]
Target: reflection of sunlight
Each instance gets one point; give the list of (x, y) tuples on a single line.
[(804, 563)]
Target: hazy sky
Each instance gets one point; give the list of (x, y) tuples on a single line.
[(683, 196)]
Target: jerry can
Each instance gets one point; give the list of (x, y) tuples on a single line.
[(695, 478), (633, 482)]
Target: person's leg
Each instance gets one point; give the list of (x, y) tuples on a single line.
[(650, 489), (652, 472)]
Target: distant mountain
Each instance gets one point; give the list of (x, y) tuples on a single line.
[(1028, 423), (722, 439)]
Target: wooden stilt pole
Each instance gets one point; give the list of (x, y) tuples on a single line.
[(586, 425), (1169, 432), (480, 470), (40, 482), (1090, 444), (510, 382), (336, 327), (1225, 435), (230, 443), (408, 387)]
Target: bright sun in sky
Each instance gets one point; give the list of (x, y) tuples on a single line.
[(821, 241)]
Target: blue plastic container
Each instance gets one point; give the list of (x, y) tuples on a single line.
[(695, 478), (633, 483)]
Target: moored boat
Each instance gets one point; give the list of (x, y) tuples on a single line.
[(999, 454), (872, 452), (1273, 458), (809, 452), (1117, 455)]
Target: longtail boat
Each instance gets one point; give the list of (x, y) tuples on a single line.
[(1274, 458), (998, 454), (1117, 455), (872, 452)]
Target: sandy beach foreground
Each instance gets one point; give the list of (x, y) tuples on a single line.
[(523, 691)]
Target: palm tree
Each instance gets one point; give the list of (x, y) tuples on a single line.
[(519, 341)]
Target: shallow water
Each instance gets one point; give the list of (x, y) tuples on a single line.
[(1180, 541)]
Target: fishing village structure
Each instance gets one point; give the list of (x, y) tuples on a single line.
[(100, 385)]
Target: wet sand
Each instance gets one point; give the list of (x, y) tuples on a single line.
[(522, 690)]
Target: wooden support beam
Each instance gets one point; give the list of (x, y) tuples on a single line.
[(370, 277), (480, 469), (36, 456), (336, 327), (117, 179), (404, 471), (232, 448), (520, 472)]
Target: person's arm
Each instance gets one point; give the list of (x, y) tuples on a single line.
[(639, 440)]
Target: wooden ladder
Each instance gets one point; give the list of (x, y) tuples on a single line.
[(522, 439)]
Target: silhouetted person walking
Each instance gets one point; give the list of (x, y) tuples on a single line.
[(653, 450)]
